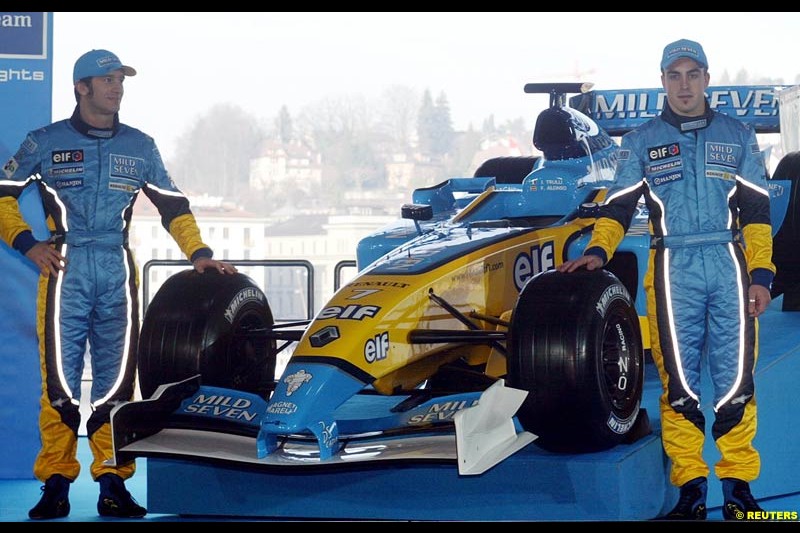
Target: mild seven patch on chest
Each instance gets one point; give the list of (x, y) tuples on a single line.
[(723, 155), (125, 166)]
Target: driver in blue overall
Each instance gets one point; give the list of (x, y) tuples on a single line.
[(704, 182), (89, 170)]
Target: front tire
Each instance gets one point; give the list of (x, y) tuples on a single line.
[(575, 345), (210, 324)]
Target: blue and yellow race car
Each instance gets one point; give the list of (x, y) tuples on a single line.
[(455, 341)]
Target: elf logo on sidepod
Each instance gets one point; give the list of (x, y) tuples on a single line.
[(527, 265), (377, 349), (349, 312)]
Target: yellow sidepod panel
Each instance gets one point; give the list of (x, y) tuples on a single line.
[(368, 321)]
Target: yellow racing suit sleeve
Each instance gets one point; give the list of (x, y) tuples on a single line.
[(186, 233), (11, 221), (607, 235), (758, 247)]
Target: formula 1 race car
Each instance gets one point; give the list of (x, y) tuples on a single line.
[(456, 340)]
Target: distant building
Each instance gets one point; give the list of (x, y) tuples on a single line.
[(285, 163), (231, 232), (323, 240), (399, 171), (406, 172)]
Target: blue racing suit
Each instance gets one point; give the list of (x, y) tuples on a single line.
[(704, 184), (88, 180)]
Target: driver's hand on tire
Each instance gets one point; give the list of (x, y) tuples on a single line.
[(590, 262), (202, 263)]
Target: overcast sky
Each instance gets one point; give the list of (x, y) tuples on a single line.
[(187, 62)]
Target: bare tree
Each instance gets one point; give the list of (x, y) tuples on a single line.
[(398, 114), (283, 125), (342, 129), (213, 156), (335, 115)]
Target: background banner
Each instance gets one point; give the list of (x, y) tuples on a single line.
[(26, 88)]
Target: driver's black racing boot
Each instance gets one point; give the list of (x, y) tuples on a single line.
[(692, 502), (739, 501), (54, 502), (115, 500)]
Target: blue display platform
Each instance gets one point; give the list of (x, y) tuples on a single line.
[(530, 485), (629, 482)]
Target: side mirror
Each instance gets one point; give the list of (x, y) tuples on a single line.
[(417, 211)]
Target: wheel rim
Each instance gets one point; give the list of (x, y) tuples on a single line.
[(620, 364), (253, 353)]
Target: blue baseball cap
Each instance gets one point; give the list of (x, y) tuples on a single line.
[(683, 48), (98, 63)]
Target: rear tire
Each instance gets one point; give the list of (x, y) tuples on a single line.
[(786, 243), (210, 324), (575, 345)]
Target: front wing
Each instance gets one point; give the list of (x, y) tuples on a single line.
[(188, 420)]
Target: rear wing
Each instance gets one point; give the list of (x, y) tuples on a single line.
[(620, 111)]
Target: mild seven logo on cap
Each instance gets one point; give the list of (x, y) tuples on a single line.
[(105, 61)]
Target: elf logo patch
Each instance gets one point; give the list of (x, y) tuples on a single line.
[(662, 152), (66, 156)]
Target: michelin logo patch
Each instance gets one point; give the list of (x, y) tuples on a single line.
[(10, 167), (723, 154), (663, 167), (66, 171), (125, 166)]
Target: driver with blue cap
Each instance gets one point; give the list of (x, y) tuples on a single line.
[(704, 181), (89, 170)]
